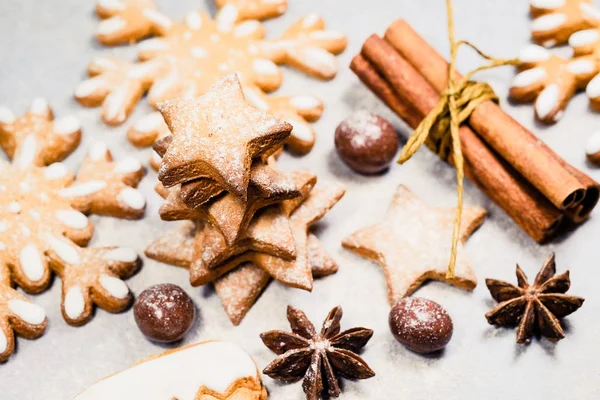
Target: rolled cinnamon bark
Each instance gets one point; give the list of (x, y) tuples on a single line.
[(410, 96), (562, 184)]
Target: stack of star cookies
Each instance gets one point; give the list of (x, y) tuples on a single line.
[(247, 221)]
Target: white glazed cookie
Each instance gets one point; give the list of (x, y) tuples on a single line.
[(204, 371)]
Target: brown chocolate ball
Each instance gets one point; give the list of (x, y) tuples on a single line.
[(366, 142), (421, 325), (164, 313)]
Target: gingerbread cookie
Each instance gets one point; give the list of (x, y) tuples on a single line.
[(307, 46), (17, 314), (294, 273), (556, 20), (173, 209), (296, 110), (297, 273), (36, 138), (91, 276), (267, 186), (105, 187), (117, 85), (226, 372), (269, 232), (592, 149), (31, 206), (127, 21), (176, 246), (550, 80), (147, 130), (232, 11), (198, 132), (194, 54), (299, 111), (412, 244), (41, 230), (587, 43), (240, 288)]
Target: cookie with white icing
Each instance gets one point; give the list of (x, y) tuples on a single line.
[(550, 80), (17, 315), (107, 187), (205, 371), (43, 228), (127, 21), (232, 11), (36, 138), (556, 20)]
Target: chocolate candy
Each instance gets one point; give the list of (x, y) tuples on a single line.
[(421, 325), (164, 313), (366, 142)]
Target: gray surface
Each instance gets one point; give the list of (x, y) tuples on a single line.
[(44, 47)]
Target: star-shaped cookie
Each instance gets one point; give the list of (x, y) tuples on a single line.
[(294, 273), (240, 288), (269, 232), (217, 136), (267, 186), (412, 244)]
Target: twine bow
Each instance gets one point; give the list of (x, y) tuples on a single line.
[(439, 130)]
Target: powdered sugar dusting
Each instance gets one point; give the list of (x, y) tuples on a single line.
[(420, 323), (366, 128), (239, 289)]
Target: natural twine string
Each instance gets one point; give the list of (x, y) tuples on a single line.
[(439, 130)]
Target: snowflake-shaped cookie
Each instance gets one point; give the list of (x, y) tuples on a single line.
[(40, 231), (232, 11), (36, 138), (551, 80), (105, 187), (186, 58), (17, 315), (556, 20), (586, 44), (41, 203), (127, 21)]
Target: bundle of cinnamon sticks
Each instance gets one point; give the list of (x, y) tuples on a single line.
[(539, 190)]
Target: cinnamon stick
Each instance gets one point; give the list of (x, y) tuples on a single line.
[(410, 96), (562, 184)]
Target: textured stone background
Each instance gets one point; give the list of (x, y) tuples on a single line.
[(44, 48)]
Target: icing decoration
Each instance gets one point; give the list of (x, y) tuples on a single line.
[(183, 374), (124, 254), (28, 312)]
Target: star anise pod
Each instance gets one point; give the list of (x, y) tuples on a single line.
[(535, 308), (318, 358)]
